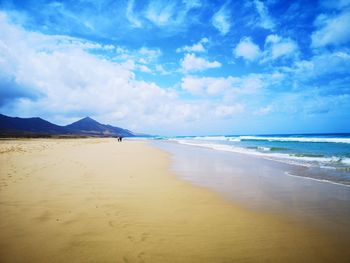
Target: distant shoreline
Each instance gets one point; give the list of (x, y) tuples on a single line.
[(48, 136)]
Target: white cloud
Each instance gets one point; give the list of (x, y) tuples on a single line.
[(144, 68), (265, 19), (264, 110), (247, 49), (161, 13), (192, 63), (250, 84), (276, 47), (149, 54), (226, 111), (142, 59), (323, 64), (221, 20), (160, 69), (206, 85), (198, 47), (133, 19), (332, 30), (68, 83), (169, 14), (222, 86)]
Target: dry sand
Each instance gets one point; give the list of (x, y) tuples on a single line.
[(97, 200)]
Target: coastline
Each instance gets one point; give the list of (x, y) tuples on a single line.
[(322, 158), (97, 200), (264, 185)]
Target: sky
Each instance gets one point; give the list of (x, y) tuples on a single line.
[(179, 67)]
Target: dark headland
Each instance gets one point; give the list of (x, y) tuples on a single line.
[(38, 127)]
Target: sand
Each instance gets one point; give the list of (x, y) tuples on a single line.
[(97, 200)]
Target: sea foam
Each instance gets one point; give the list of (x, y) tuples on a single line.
[(265, 152), (296, 139)]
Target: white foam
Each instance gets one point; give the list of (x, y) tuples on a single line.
[(296, 139), (266, 149), (216, 138), (271, 138), (345, 161), (306, 161), (314, 179)]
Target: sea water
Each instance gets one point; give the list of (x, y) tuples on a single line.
[(326, 156)]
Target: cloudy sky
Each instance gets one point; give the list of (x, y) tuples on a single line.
[(179, 67)]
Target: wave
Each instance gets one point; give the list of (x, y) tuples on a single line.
[(295, 139), (267, 149), (307, 160), (217, 138), (346, 184), (272, 138)]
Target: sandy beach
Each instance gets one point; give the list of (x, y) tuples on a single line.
[(97, 200)]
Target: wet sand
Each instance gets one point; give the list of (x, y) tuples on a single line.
[(97, 200), (264, 185)]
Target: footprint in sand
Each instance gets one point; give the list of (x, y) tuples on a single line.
[(144, 236), (141, 238), (111, 223), (115, 223), (140, 256)]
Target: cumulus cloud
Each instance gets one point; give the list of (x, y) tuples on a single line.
[(160, 69), (69, 82), (198, 47), (206, 85), (247, 49), (222, 86), (73, 83), (191, 63), (332, 30), (329, 63), (144, 68), (144, 59), (221, 20), (276, 47), (149, 54)]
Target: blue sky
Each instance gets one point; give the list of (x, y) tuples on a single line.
[(179, 67)]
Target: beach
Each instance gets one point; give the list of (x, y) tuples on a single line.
[(98, 200)]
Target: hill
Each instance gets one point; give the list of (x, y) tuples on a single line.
[(38, 127), (92, 127)]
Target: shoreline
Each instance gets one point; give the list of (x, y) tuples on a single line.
[(94, 200), (317, 180), (263, 185), (315, 164), (297, 166)]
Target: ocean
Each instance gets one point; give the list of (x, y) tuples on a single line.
[(326, 157)]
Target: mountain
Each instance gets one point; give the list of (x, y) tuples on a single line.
[(14, 126), (90, 126)]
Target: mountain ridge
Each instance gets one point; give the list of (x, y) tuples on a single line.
[(36, 126)]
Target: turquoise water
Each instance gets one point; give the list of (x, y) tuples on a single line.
[(326, 155)]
